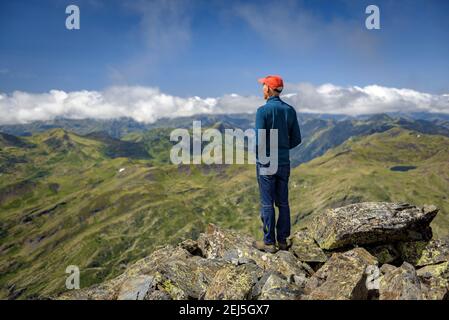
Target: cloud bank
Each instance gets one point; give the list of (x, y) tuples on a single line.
[(148, 104), (354, 100)]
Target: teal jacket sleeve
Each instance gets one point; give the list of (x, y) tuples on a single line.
[(295, 132)]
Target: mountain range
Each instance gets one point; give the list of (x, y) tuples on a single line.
[(103, 194)]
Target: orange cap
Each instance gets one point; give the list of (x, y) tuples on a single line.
[(274, 82)]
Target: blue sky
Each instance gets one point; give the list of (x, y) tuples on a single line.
[(211, 48)]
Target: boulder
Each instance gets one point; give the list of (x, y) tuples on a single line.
[(305, 248), (422, 253), (223, 264), (237, 248), (184, 276), (372, 223), (342, 277), (386, 268), (170, 272), (136, 288), (103, 291), (275, 287), (401, 284), (435, 281), (234, 282)]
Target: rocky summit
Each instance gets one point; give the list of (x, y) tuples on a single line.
[(357, 252), (368, 222)]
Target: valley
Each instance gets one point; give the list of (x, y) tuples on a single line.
[(101, 203)]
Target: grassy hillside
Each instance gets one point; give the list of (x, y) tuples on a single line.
[(360, 170), (71, 202), (320, 132), (322, 135), (68, 199)]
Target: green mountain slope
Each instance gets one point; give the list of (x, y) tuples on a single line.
[(361, 170), (71, 202), (66, 200), (320, 132), (320, 135)]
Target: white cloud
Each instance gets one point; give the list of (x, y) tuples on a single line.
[(355, 100), (147, 104)]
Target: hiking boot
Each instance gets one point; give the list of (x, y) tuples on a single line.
[(283, 246), (262, 246)]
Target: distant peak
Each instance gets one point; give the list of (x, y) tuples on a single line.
[(380, 117)]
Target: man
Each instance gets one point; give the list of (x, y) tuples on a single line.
[(276, 114)]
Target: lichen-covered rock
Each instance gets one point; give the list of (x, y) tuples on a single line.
[(223, 264), (305, 248), (401, 284), (157, 295), (386, 253), (422, 253), (277, 288), (136, 288), (234, 282), (170, 272), (386, 268), (235, 247), (103, 291), (342, 277), (184, 276), (435, 281), (372, 222)]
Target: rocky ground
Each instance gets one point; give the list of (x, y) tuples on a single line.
[(362, 251)]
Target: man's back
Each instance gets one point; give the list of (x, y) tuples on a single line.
[(276, 114), (273, 185)]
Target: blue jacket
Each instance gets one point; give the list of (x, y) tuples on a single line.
[(276, 114)]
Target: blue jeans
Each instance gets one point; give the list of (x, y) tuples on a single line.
[(274, 190)]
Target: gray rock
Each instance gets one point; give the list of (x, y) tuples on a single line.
[(136, 288), (386, 268), (277, 288), (234, 282), (237, 248), (300, 281), (435, 281), (157, 295), (305, 248), (401, 284), (222, 264), (342, 277), (422, 253), (173, 271), (372, 278), (370, 223)]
